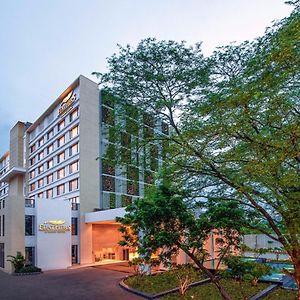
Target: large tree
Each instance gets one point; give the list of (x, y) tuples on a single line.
[(234, 119)]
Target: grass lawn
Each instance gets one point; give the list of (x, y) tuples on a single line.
[(153, 284), (281, 294), (209, 291)]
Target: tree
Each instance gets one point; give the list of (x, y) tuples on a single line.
[(234, 119), (168, 225)]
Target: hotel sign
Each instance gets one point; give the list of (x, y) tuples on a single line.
[(54, 226), (67, 104)]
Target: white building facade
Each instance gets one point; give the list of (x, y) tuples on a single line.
[(64, 180)]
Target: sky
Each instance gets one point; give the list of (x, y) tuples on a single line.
[(45, 45)]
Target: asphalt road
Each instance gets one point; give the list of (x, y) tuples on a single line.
[(79, 284)]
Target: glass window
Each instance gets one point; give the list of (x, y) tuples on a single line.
[(41, 169), (50, 134), (74, 132), (61, 125), (2, 255), (30, 256), (32, 148), (41, 155), (29, 225), (74, 115), (32, 161), (40, 195), (60, 189), (31, 174), (49, 178), (75, 203), (61, 141), (49, 163), (73, 149), (32, 187), (60, 157), (73, 185), (73, 167), (61, 173), (49, 193), (74, 226), (40, 182), (41, 142), (49, 149)]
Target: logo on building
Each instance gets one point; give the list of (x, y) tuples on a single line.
[(54, 226), (67, 104)]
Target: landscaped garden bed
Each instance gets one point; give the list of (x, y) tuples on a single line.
[(282, 294), (160, 282)]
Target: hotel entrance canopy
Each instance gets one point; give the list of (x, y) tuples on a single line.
[(104, 216)]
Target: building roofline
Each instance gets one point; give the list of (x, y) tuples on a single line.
[(71, 87)]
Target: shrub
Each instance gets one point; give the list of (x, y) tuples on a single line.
[(17, 261), (30, 269)]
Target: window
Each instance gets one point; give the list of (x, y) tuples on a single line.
[(30, 255), (73, 132), (74, 226), (75, 203), (60, 189), (73, 185), (29, 225), (49, 163), (74, 115), (49, 193), (40, 195), (2, 255), (31, 174), (73, 149), (61, 173), (40, 182), (41, 155), (61, 141), (50, 134), (41, 169), (74, 254), (61, 125), (73, 167), (49, 149), (60, 157), (41, 142), (49, 178), (32, 161), (32, 148), (32, 187)]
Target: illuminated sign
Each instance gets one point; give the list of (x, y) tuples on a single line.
[(54, 226), (67, 104)]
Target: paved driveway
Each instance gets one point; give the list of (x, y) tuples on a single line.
[(80, 284)]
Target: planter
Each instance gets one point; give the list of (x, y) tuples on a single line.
[(158, 295)]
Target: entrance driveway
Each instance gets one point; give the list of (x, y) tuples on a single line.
[(79, 284)]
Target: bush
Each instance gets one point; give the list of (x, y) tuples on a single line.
[(17, 261), (30, 269)]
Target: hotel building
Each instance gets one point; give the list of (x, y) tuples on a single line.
[(67, 176)]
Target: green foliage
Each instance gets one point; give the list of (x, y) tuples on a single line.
[(29, 269), (17, 261), (246, 270)]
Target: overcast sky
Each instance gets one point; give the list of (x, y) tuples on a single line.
[(45, 45)]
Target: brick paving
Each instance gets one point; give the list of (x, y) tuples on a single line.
[(92, 283)]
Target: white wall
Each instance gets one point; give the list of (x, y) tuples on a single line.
[(53, 249)]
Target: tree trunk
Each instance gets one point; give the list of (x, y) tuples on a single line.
[(297, 277), (213, 278)]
